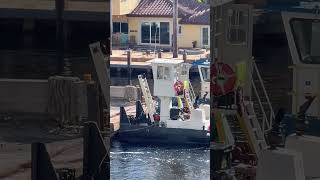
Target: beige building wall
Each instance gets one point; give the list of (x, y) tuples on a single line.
[(188, 34), (122, 7), (119, 18)]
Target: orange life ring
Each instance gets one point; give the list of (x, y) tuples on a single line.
[(223, 79), (178, 87)]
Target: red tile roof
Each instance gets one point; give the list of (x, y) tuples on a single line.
[(190, 11)]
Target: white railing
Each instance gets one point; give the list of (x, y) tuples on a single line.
[(264, 116), (267, 119)]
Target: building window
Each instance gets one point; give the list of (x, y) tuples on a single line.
[(155, 33), (180, 30), (205, 36), (237, 34), (120, 27), (205, 74)]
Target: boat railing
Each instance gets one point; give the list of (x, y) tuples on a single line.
[(263, 100)]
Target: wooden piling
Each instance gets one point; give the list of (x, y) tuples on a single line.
[(185, 56), (93, 102), (159, 53)]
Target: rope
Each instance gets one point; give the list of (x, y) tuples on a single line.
[(62, 98)]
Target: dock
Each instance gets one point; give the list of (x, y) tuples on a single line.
[(139, 60)]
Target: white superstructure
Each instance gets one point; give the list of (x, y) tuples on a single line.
[(166, 73)]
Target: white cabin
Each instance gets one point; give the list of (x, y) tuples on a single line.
[(166, 72)]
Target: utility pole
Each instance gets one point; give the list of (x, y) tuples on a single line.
[(175, 29), (212, 33)]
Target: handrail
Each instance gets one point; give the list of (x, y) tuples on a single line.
[(262, 109), (272, 115), (266, 121)]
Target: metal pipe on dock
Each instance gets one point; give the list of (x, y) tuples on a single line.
[(129, 66)]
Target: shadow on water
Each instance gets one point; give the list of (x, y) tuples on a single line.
[(159, 162)]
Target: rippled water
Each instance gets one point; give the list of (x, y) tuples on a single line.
[(143, 162)]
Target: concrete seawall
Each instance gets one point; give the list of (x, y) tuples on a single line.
[(124, 92)]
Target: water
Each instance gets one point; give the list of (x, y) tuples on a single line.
[(143, 162)]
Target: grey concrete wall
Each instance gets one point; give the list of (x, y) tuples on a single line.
[(31, 96), (124, 92)]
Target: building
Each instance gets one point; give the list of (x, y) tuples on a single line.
[(120, 10), (149, 23)]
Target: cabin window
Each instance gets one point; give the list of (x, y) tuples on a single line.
[(166, 73), (205, 74), (237, 34), (160, 72), (184, 71), (163, 73), (306, 36)]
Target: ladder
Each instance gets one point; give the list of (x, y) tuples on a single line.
[(255, 132), (187, 100), (193, 95), (231, 132), (150, 107)]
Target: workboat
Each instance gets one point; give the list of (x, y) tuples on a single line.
[(249, 139), (174, 114)]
